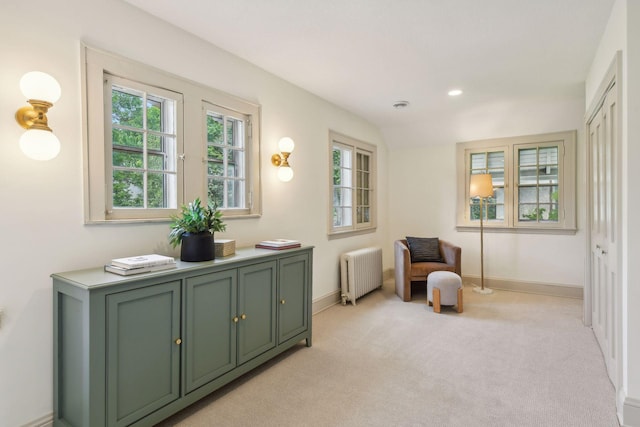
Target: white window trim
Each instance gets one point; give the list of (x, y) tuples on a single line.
[(566, 178), (191, 168), (356, 145)]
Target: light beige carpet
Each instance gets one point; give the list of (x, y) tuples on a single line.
[(511, 359)]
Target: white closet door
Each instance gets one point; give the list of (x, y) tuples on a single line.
[(603, 180)]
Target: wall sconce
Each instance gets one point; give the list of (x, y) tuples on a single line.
[(42, 91), (285, 145)]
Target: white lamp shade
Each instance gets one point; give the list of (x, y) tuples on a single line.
[(481, 185), (286, 145), (285, 173), (40, 86), (39, 144)]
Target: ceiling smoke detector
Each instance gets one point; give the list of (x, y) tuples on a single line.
[(400, 104)]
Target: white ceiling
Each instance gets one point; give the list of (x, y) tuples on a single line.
[(364, 55)]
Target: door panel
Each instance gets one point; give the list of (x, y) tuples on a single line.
[(143, 358), (292, 298), (256, 309), (210, 333)]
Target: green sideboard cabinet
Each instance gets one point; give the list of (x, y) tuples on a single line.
[(134, 350)]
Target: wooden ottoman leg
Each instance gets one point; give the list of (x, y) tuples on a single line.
[(459, 300), (436, 300)]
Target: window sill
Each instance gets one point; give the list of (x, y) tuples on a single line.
[(349, 233), (518, 230)]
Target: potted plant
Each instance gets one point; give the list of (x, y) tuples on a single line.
[(194, 228)]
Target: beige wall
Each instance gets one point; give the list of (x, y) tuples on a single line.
[(423, 200), (41, 203)]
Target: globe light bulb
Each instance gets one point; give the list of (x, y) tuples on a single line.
[(285, 173), (39, 144), (40, 86), (286, 145)]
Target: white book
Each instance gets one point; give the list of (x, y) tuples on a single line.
[(129, 271), (276, 243), (142, 261)]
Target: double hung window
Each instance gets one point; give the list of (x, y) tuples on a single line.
[(353, 174), (533, 182)]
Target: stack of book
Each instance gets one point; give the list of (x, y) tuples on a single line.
[(278, 244), (140, 264)]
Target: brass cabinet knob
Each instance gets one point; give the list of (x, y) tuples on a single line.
[(178, 341), (282, 301), (235, 319), (244, 316)]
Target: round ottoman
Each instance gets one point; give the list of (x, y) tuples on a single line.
[(444, 288)]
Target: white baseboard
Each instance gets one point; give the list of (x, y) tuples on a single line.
[(325, 302), (334, 298), (630, 413), (44, 421), (553, 289)]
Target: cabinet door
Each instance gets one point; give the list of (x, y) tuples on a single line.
[(256, 310), (143, 354), (293, 274), (210, 333)]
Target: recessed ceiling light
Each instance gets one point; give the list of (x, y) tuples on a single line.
[(455, 92), (400, 104)]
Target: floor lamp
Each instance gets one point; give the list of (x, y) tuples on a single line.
[(481, 186)]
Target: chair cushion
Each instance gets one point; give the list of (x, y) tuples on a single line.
[(424, 249)]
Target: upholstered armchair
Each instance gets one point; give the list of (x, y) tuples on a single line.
[(407, 272)]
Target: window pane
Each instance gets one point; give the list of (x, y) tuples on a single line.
[(528, 212), (128, 189), (154, 115), (342, 217), (496, 160), (547, 194), (548, 156), (364, 180), (231, 194), (216, 153), (548, 175), (528, 194), (127, 159), (127, 138), (528, 157), (155, 190), (528, 175), (214, 129), (478, 161), (126, 108), (216, 192), (215, 168), (155, 162), (154, 142)]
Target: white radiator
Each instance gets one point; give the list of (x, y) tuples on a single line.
[(360, 273)]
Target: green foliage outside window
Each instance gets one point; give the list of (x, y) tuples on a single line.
[(215, 156), (128, 185)]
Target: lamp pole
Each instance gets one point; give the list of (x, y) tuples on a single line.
[(481, 248), (481, 186)]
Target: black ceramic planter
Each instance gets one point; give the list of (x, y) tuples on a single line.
[(197, 247)]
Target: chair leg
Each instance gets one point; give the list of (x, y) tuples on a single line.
[(459, 300), (436, 300)]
